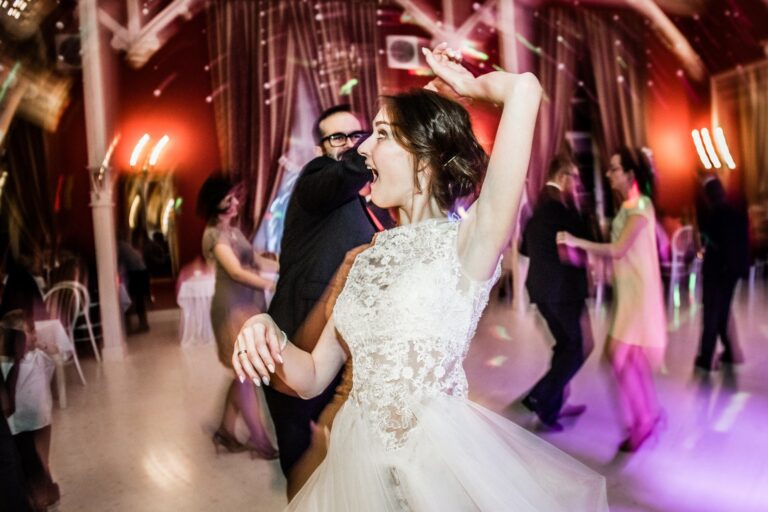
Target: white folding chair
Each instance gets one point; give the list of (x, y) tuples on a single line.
[(68, 301), (679, 268)]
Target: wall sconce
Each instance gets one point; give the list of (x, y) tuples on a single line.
[(722, 148), (158, 149), (166, 218), (133, 214), (149, 160), (708, 156), (139, 149)]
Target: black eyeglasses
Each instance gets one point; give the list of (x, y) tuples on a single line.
[(337, 140)]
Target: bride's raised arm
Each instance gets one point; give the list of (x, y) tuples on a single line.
[(489, 223)]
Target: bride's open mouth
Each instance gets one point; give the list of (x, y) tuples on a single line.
[(375, 174)]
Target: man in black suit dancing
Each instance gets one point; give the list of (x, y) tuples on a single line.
[(725, 234), (557, 284), (326, 217)]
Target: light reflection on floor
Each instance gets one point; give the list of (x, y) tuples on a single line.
[(137, 437)]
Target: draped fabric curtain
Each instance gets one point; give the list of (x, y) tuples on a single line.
[(250, 46), (335, 43), (586, 54), (741, 109), (259, 49), (27, 201), (557, 73), (618, 82)]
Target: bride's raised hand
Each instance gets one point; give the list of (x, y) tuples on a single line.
[(452, 77), (494, 87), (257, 347)]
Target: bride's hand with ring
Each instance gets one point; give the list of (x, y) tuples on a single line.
[(258, 349)]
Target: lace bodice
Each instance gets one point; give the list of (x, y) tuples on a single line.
[(407, 313)]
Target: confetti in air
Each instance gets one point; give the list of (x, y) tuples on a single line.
[(496, 362), (469, 49), (500, 333), (528, 44), (346, 89), (421, 72), (9, 80), (164, 84)]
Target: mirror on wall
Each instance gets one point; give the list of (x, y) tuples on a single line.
[(147, 220)]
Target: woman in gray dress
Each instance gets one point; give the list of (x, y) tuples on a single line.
[(239, 294)]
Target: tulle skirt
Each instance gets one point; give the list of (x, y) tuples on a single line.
[(459, 457)]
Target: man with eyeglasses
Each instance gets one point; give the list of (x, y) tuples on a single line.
[(557, 284), (325, 218)]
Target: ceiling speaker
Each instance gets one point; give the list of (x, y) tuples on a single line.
[(404, 52), (68, 55)]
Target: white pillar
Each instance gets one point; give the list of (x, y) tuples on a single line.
[(94, 54), (106, 263)]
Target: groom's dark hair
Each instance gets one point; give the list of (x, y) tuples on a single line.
[(325, 114)]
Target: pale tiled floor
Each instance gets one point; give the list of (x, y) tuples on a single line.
[(137, 437)]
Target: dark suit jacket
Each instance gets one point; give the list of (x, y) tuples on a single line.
[(724, 232), (326, 217), (549, 279)]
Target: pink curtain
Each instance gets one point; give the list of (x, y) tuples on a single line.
[(589, 49), (335, 42), (258, 51), (250, 45), (741, 107), (559, 32), (619, 80)]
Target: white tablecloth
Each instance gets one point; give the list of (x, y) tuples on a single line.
[(194, 298), (51, 332)]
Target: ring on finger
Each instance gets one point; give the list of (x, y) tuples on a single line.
[(240, 352)]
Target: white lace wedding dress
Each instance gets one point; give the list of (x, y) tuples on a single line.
[(408, 439)]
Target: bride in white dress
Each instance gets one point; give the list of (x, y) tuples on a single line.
[(408, 438)]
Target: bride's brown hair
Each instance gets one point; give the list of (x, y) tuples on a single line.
[(437, 131)]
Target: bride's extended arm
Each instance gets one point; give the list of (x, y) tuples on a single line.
[(261, 349), (489, 223)]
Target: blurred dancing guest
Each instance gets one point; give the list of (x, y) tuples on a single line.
[(29, 377), (13, 495), (239, 293), (557, 284), (725, 234), (325, 218), (14, 489), (637, 335), (407, 438), (134, 274)]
